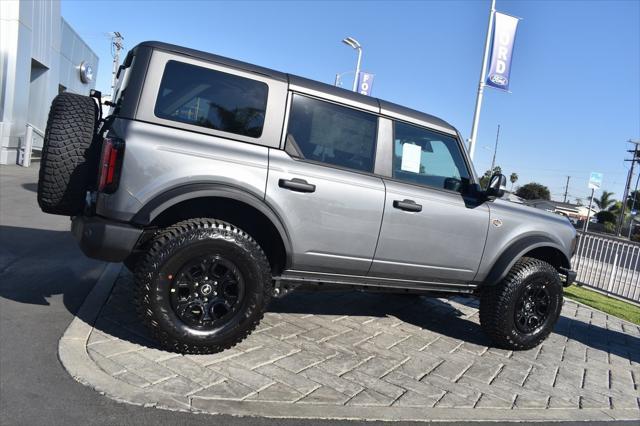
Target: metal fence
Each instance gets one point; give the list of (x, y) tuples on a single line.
[(608, 264)]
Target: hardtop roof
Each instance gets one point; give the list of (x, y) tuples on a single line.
[(383, 107)]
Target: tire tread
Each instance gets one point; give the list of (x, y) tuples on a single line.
[(144, 279), (495, 301), (69, 159)]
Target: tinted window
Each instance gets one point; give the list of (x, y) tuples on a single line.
[(428, 158), (332, 134), (212, 99)]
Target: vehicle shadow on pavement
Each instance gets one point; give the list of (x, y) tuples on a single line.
[(36, 265), (439, 316), (33, 186), (435, 315)]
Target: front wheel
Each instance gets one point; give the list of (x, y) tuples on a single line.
[(203, 286), (520, 312)]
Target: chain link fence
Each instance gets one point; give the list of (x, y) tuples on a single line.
[(609, 264)]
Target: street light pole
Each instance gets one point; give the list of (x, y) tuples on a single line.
[(481, 84), (586, 223), (355, 77), (352, 42)]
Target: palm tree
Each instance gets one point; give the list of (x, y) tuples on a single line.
[(513, 178), (605, 200)]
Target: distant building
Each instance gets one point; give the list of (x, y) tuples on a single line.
[(573, 211), (40, 56)]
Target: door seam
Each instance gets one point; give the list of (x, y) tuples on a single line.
[(384, 207)]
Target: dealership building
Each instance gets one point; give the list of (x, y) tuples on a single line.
[(40, 56)]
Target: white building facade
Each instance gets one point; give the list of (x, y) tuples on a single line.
[(40, 56)]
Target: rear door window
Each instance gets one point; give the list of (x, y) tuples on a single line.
[(212, 99), (332, 134)]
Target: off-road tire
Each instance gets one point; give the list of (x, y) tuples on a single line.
[(498, 305), (69, 155), (212, 237)]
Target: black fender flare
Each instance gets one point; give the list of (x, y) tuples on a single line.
[(515, 251), (190, 191)]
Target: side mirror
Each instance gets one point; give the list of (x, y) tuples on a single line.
[(497, 186)]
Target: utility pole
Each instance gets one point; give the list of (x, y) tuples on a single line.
[(636, 157), (116, 47), (566, 189), (495, 150), (633, 206)]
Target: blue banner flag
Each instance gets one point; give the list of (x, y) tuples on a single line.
[(504, 34), (365, 83)]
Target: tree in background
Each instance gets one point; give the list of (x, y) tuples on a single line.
[(513, 179), (533, 191), (605, 216), (605, 200), (615, 208), (579, 202), (635, 195), (484, 180)]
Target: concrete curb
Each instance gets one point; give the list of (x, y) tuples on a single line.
[(72, 352)]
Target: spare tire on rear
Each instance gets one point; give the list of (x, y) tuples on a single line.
[(70, 154)]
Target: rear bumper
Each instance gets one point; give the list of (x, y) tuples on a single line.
[(103, 239), (570, 274)]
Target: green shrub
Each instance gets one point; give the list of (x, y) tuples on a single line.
[(605, 216), (609, 227)]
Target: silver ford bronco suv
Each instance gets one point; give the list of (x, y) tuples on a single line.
[(222, 184)]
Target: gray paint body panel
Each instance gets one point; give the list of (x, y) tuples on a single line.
[(159, 158), (517, 222), (335, 228), (443, 242)]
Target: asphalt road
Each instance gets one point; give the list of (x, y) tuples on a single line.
[(44, 278)]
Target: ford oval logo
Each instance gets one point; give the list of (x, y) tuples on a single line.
[(498, 79)]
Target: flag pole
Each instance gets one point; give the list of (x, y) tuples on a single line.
[(483, 73)]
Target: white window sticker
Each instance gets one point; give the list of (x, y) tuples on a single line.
[(411, 156)]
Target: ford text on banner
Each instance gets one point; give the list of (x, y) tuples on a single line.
[(504, 34), (365, 83)]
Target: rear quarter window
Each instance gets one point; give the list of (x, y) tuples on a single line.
[(212, 99)]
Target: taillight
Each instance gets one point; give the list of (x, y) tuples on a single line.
[(110, 163)]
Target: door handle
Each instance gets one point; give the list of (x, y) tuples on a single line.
[(297, 185), (407, 205)]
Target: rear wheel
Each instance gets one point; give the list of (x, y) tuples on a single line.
[(69, 155), (203, 286), (521, 311)]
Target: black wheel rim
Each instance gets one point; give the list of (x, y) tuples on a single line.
[(206, 292), (533, 308)]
